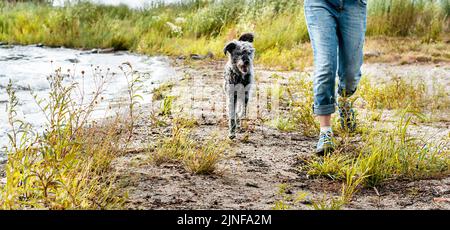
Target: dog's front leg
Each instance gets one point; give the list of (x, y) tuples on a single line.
[(240, 105), (231, 101), (248, 95)]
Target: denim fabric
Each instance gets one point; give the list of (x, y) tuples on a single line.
[(337, 30)]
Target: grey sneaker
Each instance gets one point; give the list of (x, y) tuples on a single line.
[(326, 144), (347, 115)]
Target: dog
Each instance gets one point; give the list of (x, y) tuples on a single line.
[(239, 80)]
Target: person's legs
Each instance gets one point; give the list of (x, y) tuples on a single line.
[(351, 35), (322, 26)]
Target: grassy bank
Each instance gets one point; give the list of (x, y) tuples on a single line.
[(204, 26)]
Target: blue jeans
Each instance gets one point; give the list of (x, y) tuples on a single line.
[(337, 31)]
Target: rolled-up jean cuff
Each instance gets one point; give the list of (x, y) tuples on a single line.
[(324, 109)]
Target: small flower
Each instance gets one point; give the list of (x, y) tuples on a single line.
[(180, 20), (174, 28)]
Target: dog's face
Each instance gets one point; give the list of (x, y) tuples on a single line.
[(241, 53)]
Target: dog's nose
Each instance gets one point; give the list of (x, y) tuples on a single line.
[(246, 62)]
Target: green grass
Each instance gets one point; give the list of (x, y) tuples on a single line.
[(167, 106), (286, 200), (394, 94), (203, 26), (283, 124), (160, 92), (405, 18), (296, 98), (399, 94), (198, 157), (385, 155)]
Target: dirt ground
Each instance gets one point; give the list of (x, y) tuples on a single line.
[(250, 174)]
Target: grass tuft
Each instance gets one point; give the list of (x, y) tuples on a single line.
[(198, 157)]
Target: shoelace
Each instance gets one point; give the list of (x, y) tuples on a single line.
[(326, 136)]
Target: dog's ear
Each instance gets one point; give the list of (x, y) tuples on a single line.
[(229, 47), (247, 37)]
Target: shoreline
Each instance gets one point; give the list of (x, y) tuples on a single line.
[(375, 52)]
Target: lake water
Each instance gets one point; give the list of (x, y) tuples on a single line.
[(29, 66)]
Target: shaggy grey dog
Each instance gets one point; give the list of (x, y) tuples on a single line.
[(239, 79)]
